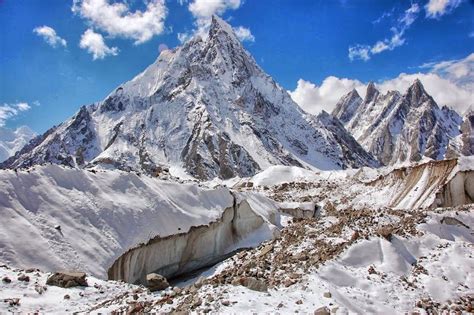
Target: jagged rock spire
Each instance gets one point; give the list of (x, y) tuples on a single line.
[(347, 106), (416, 93), (371, 94)]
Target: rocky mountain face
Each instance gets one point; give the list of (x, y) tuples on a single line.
[(205, 107), (398, 128), (467, 133)]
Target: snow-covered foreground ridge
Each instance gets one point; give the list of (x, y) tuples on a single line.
[(339, 262), (365, 252), (57, 218)]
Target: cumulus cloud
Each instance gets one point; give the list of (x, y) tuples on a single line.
[(444, 91), (95, 45), (459, 71), (206, 8), (437, 8), (49, 36), (203, 10), (8, 111), (313, 99), (244, 34), (365, 52), (117, 20), (449, 82)]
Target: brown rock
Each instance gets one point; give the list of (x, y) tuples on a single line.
[(386, 232), (322, 311), (266, 250), (355, 236), (66, 279), (225, 303), (254, 284), (24, 278), (156, 282)]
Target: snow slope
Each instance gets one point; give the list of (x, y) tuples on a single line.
[(101, 215)]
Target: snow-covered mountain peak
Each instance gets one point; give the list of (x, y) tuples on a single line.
[(347, 106), (417, 95), (218, 26), (371, 93), (397, 128), (206, 108)]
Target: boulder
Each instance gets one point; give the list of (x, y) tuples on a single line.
[(6, 280), (67, 279), (254, 284), (386, 232), (156, 282), (322, 311)]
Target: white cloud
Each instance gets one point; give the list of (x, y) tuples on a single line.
[(410, 15), (95, 45), (12, 141), (441, 89), (365, 52), (8, 111), (117, 20), (313, 99), (203, 10), (23, 106), (459, 71), (244, 34), (449, 82), (437, 8), (359, 52), (384, 15), (387, 44), (49, 35), (184, 37)]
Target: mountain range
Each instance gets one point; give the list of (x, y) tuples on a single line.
[(207, 109), (398, 128)]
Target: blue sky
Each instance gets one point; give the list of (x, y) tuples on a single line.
[(299, 42)]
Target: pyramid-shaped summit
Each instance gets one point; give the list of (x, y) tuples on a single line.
[(206, 108)]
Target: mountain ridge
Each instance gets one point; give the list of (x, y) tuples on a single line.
[(398, 128)]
